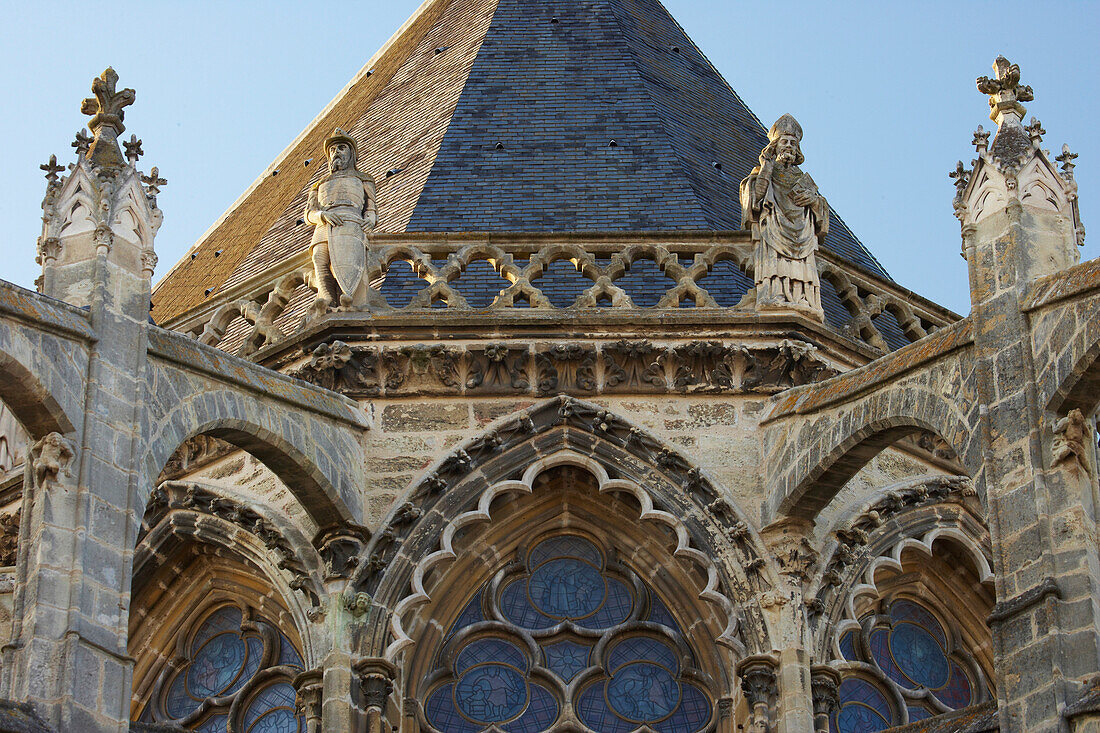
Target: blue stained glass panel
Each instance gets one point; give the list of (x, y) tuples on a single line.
[(216, 665), (919, 655), (594, 712), (921, 616), (642, 649), (279, 720), (216, 724), (222, 620), (178, 703), (615, 610), (517, 608), (916, 714), (856, 690), (692, 715), (566, 658), (541, 712), (957, 693), (848, 645), (856, 718), (278, 695), (490, 650), (567, 588), (255, 656), (469, 616), (643, 693), (659, 613), (880, 651), (491, 693), (565, 546), (288, 655), (443, 714)]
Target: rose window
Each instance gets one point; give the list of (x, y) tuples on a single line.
[(566, 635), (912, 653), (232, 668)]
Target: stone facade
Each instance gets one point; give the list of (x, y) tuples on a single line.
[(785, 482)]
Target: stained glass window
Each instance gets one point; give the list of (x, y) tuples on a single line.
[(569, 631), (223, 658), (911, 648)]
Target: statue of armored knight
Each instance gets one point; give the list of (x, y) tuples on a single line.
[(789, 218), (341, 206)]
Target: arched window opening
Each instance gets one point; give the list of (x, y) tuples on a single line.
[(920, 649), (232, 664), (564, 631), (215, 649)]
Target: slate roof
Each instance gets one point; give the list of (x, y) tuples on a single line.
[(499, 115)]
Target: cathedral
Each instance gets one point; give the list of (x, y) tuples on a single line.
[(537, 388)]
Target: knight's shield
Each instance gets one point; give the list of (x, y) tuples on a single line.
[(347, 256)]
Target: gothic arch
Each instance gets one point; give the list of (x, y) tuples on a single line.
[(273, 436), (199, 551), (23, 388), (1080, 387), (913, 516), (843, 440), (669, 493)]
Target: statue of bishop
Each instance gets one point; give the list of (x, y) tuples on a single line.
[(789, 218), (341, 206)]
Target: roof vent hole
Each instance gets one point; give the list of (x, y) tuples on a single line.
[(440, 49), (275, 172), (676, 49), (207, 291), (307, 162), (194, 255), (219, 253), (613, 144), (499, 146), (299, 223), (393, 172), (717, 165), (554, 20)]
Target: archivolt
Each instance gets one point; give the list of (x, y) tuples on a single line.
[(458, 492), (948, 512)]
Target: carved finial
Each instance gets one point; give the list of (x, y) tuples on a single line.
[(133, 149), (981, 140), (106, 107), (52, 169), (82, 143), (1036, 131), (961, 176), (1005, 92), (153, 182), (106, 110), (1066, 159)]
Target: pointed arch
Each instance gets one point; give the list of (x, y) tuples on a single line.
[(705, 530), (818, 457), (282, 441)]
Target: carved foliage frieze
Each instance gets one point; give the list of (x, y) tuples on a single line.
[(573, 368)]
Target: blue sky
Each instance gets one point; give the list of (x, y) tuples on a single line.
[(884, 91)]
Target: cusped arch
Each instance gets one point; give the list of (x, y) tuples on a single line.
[(279, 439), (849, 440), (713, 537), (285, 561)]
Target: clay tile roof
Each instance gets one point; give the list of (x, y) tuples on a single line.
[(499, 115)]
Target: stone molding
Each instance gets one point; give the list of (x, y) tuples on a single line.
[(173, 496), (1007, 609), (542, 369)]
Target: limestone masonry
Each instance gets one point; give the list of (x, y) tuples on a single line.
[(543, 390)]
